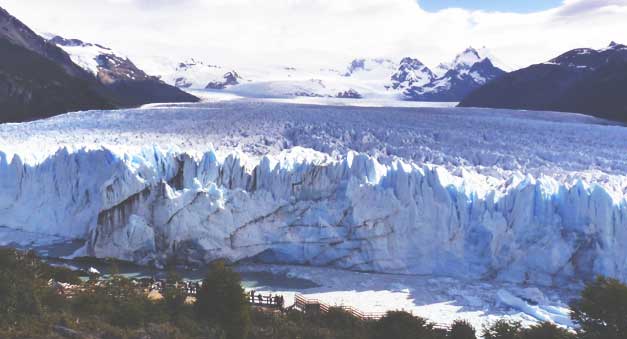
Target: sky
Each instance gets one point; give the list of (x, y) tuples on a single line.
[(329, 33), (517, 6)]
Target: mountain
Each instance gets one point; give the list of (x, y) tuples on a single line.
[(38, 79), (377, 78), (582, 80), (370, 69), (228, 79), (411, 72), (196, 74), (126, 83), (471, 56), (469, 70)]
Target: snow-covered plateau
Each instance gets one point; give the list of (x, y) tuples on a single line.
[(514, 196)]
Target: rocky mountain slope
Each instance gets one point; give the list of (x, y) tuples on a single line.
[(582, 80), (126, 83), (470, 70), (411, 72), (38, 79)]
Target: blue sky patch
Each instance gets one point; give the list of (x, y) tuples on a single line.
[(519, 6)]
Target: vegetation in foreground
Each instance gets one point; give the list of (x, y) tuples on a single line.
[(30, 307)]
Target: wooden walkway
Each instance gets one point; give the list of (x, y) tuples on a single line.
[(315, 305), (272, 301)]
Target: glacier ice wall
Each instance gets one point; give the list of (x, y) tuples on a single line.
[(304, 207)]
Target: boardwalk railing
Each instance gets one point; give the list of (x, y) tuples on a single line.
[(272, 301), (315, 305)]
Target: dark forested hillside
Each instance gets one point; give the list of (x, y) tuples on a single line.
[(585, 81), (38, 80)]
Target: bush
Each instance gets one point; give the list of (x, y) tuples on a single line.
[(402, 325), (502, 329), (602, 310), (221, 301), (546, 330), (63, 274), (117, 302), (462, 329), (22, 287), (344, 324), (174, 297)]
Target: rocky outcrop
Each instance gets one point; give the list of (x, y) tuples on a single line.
[(230, 79), (349, 94)]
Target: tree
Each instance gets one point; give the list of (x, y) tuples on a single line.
[(221, 300), (173, 296), (601, 312), (22, 286), (402, 325), (462, 329), (343, 323), (502, 329), (546, 330)]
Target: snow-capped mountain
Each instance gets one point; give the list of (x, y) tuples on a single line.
[(102, 62), (376, 68), (469, 70), (468, 58), (197, 74), (128, 84), (582, 80), (411, 72), (362, 78), (38, 79), (229, 79)]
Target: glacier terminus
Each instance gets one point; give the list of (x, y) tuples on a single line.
[(368, 189)]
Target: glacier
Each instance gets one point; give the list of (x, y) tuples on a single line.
[(512, 196), (304, 207)]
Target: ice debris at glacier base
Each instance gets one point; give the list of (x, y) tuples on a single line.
[(442, 300), (305, 207)]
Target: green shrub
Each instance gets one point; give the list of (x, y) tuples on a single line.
[(462, 329), (63, 274), (402, 325), (502, 329), (546, 330), (221, 301), (601, 312), (22, 286)]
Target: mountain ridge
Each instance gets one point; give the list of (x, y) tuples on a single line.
[(468, 71), (38, 79), (582, 80)]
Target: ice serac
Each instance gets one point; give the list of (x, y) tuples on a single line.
[(305, 207)]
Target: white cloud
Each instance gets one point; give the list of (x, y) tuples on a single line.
[(583, 7), (323, 32)]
